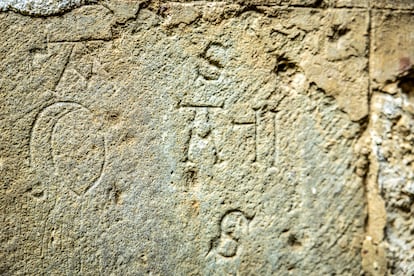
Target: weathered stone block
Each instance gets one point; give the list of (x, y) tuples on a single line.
[(205, 138), (390, 191), (392, 50)]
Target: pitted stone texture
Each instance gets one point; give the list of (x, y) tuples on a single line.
[(391, 136), (351, 3), (40, 7), (183, 139), (393, 4), (85, 23), (392, 51), (330, 48)]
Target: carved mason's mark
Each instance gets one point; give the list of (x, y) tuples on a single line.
[(200, 147), (263, 123), (199, 129), (214, 58), (67, 152), (249, 137), (41, 133), (66, 144), (65, 65), (234, 226)]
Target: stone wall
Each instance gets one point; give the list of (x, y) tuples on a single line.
[(257, 137)]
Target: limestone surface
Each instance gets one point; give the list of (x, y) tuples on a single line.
[(390, 184), (39, 7), (206, 138)]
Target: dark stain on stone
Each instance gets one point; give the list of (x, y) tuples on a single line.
[(406, 77), (405, 64)]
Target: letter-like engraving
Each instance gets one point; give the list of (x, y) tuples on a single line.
[(234, 224), (226, 250), (201, 129), (67, 147), (241, 143), (67, 152), (209, 86), (214, 57), (201, 148), (233, 227)]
